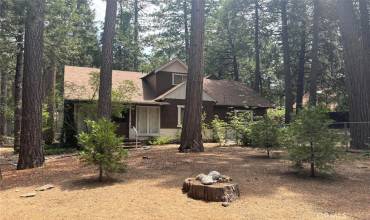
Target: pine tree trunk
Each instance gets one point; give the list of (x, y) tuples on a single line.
[(50, 100), (186, 28), (301, 69), (312, 162), (18, 78), (231, 42), (191, 135), (286, 57), (136, 35), (105, 88), (257, 73), (315, 66), (31, 152), (356, 71), (3, 104)]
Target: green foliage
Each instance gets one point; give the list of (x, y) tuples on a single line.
[(101, 147), (161, 140), (57, 150), (219, 128), (265, 133), (240, 123), (311, 140)]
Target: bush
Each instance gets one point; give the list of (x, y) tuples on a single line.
[(240, 123), (101, 147), (265, 133), (161, 140), (219, 130), (312, 141)]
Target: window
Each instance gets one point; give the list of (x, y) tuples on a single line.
[(178, 78), (147, 120), (180, 115)]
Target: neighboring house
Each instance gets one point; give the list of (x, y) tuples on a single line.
[(157, 108)]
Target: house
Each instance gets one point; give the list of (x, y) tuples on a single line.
[(157, 108)]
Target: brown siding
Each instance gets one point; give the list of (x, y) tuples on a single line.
[(152, 81), (169, 112), (164, 82)]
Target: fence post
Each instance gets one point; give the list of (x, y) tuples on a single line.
[(346, 135)]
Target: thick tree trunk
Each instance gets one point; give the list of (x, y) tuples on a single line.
[(191, 134), (136, 35), (218, 192), (50, 100), (286, 57), (18, 78), (105, 88), (315, 66), (365, 33), (301, 69), (3, 104), (257, 72), (31, 152), (186, 28), (356, 71), (231, 42)]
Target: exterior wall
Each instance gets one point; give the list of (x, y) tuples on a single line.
[(164, 82), (169, 112)]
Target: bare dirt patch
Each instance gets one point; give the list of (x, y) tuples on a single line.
[(151, 188)]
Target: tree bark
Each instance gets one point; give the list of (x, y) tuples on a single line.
[(231, 42), (50, 100), (3, 104), (105, 88), (301, 69), (186, 28), (136, 35), (257, 72), (286, 57), (315, 66), (365, 32), (31, 152), (191, 134), (356, 71), (18, 78)]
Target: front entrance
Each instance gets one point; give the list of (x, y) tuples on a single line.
[(148, 120)]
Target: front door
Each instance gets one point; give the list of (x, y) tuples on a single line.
[(148, 120)]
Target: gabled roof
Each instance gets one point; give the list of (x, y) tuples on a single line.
[(225, 93), (167, 65), (179, 92), (232, 93), (77, 84)]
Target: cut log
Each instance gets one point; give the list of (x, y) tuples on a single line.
[(218, 192)]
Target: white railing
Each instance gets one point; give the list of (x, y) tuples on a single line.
[(136, 136)]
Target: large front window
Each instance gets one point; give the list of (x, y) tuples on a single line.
[(147, 120)]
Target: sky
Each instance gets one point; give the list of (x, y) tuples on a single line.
[(99, 7)]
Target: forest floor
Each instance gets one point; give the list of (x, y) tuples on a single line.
[(151, 188)]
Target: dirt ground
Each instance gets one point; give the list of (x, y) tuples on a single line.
[(151, 188)]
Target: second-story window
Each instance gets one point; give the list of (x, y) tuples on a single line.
[(178, 78)]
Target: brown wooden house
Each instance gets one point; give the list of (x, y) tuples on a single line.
[(156, 109)]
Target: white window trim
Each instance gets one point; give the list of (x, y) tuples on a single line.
[(179, 122), (173, 77), (147, 121)]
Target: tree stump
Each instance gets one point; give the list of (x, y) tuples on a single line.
[(217, 192)]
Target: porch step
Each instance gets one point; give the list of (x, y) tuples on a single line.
[(131, 144)]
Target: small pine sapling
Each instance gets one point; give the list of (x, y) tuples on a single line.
[(102, 147), (312, 140), (265, 133)]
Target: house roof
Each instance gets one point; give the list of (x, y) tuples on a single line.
[(226, 93), (77, 84), (232, 93), (167, 65), (179, 92)]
